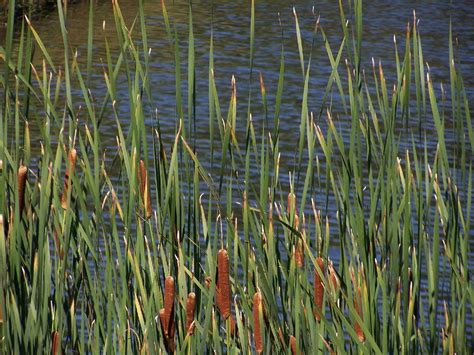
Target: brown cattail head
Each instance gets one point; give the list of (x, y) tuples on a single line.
[(318, 289), (223, 284), (293, 345), (291, 204), (280, 336), (333, 277), (72, 156), (299, 253), (358, 308), (169, 306), (55, 346), (296, 223), (145, 188), (257, 310), (22, 172), (190, 308), (168, 334), (163, 321)]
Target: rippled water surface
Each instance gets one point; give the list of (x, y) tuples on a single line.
[(229, 21)]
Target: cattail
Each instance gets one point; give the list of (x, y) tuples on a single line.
[(69, 172), (333, 278), (169, 304), (358, 308), (296, 222), (163, 321), (291, 205), (168, 335), (55, 348), (293, 345), (299, 253), (280, 336), (257, 309), (318, 289), (223, 283), (145, 188), (22, 171), (190, 307)]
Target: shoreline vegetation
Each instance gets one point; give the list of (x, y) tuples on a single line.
[(145, 248)]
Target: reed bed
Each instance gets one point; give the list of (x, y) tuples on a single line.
[(160, 253)]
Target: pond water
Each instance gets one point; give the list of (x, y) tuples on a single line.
[(229, 22)]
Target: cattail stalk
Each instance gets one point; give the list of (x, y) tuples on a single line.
[(145, 188), (318, 289), (257, 310), (22, 172), (72, 156), (190, 309), (223, 284)]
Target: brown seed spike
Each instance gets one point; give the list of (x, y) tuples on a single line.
[(72, 156), (299, 253), (293, 344), (318, 289), (145, 188), (163, 322), (223, 283), (358, 308), (169, 305), (190, 308), (22, 172), (55, 346), (291, 204), (257, 309)]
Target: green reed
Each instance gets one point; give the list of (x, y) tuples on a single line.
[(83, 264)]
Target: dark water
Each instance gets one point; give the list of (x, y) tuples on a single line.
[(230, 21)]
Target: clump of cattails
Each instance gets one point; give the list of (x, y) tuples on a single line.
[(257, 310), (22, 172), (167, 315), (55, 346), (145, 188), (72, 156), (190, 309), (318, 289)]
